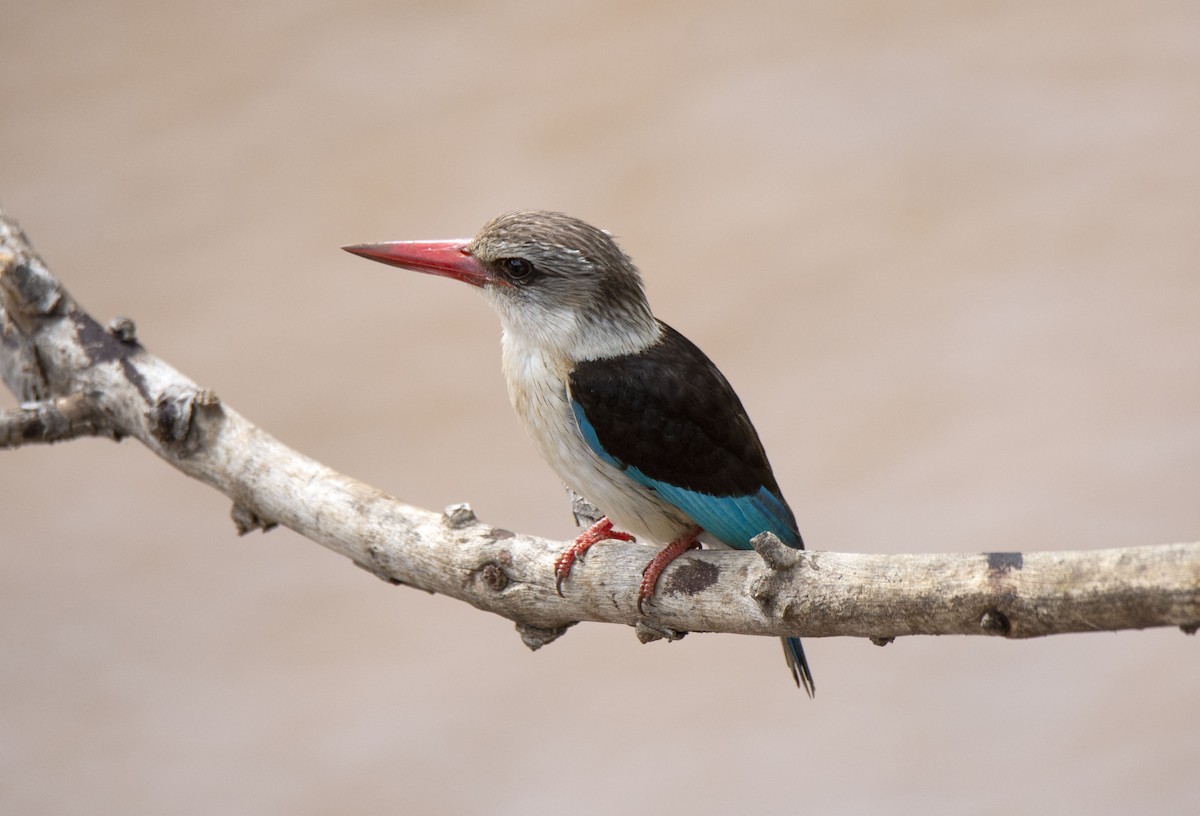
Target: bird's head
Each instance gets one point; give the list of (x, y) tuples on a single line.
[(557, 283)]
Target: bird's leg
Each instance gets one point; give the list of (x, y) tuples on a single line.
[(601, 530), (661, 561)]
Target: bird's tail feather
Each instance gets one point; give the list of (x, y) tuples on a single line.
[(796, 661)]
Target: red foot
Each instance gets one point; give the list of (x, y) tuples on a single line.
[(599, 531), (661, 561)]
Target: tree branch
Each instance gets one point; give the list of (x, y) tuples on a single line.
[(53, 421), (85, 379)]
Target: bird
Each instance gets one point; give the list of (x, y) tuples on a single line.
[(627, 411)]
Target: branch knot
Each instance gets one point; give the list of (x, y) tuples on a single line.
[(777, 555), (175, 418), (458, 516)]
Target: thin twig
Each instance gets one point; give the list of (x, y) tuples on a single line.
[(51, 421)]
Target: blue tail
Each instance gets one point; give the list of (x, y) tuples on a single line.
[(796, 661)]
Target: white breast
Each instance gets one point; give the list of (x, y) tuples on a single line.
[(537, 386)]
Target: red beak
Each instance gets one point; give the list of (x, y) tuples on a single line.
[(449, 259)]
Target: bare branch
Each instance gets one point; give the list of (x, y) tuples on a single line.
[(53, 421), (87, 379)]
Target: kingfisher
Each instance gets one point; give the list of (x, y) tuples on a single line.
[(628, 412)]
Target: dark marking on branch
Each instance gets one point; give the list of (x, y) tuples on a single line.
[(99, 344), (689, 576), (1005, 561)]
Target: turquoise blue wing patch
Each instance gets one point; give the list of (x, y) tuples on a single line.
[(733, 520)]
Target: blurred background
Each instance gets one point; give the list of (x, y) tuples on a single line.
[(948, 255)]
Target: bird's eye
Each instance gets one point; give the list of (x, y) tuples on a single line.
[(518, 270)]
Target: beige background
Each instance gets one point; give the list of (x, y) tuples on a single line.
[(949, 256)]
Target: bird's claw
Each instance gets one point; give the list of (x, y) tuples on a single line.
[(599, 531), (562, 568), (659, 563)]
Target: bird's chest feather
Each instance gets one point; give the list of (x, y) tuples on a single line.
[(537, 387)]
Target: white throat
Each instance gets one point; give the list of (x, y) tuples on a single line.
[(565, 335)]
